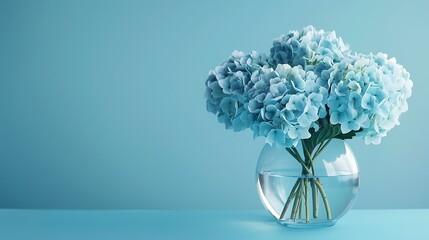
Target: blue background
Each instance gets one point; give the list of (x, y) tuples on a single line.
[(101, 102)]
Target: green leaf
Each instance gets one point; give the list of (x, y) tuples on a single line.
[(331, 132), (336, 130), (348, 135), (313, 139), (321, 134), (325, 133), (344, 136), (310, 142)]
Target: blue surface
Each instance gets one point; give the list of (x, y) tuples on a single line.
[(149, 224), (101, 102)]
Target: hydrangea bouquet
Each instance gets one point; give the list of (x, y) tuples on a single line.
[(311, 89)]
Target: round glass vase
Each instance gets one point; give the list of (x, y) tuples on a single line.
[(313, 197)]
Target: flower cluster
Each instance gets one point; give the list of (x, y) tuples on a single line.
[(310, 79)]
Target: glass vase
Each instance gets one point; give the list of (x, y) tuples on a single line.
[(312, 190)]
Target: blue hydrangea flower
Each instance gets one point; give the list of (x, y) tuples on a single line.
[(299, 132), (296, 105), (278, 138), (270, 112), (308, 47), (308, 116), (310, 77)]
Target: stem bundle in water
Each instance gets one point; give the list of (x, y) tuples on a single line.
[(300, 193)]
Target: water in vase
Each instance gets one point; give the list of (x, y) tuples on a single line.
[(336, 192)]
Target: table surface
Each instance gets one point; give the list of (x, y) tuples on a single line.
[(183, 224)]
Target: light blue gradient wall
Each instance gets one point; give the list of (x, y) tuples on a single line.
[(101, 102)]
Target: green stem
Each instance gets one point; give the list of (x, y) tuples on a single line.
[(324, 197), (312, 167), (307, 155), (298, 158), (296, 201), (307, 212), (315, 195), (321, 147), (289, 199), (301, 187), (296, 152), (306, 152)]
